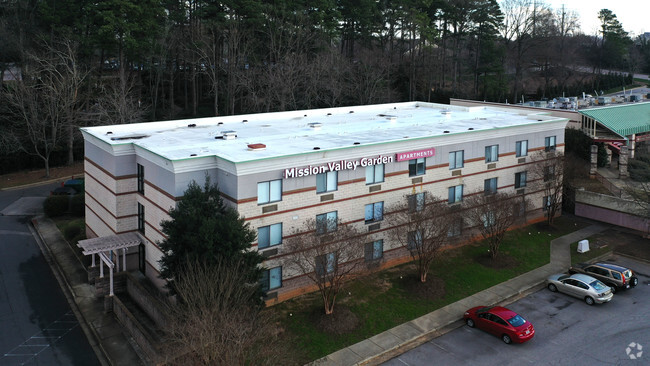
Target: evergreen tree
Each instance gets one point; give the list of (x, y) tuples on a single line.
[(202, 228)]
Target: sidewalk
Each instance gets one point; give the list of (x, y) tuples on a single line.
[(402, 338), (102, 329)]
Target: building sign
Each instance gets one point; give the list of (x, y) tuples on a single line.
[(640, 138), (416, 154), (336, 166)]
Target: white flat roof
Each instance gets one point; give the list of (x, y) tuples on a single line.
[(289, 133)]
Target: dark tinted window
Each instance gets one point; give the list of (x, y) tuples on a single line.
[(516, 320)]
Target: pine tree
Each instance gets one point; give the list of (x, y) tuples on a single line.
[(202, 228)]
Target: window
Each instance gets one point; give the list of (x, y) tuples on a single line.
[(488, 219), (417, 167), (491, 153), (326, 223), (519, 209), (521, 148), (547, 202), (414, 240), (416, 202), (326, 182), (141, 218), (490, 186), (455, 229), (325, 264), (520, 179), (549, 143), (456, 159), (268, 236), (374, 174), (455, 194), (374, 212), (140, 179), (549, 172), (271, 279), (374, 250), (270, 191)]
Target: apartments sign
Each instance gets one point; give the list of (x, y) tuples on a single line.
[(416, 154), (336, 166)]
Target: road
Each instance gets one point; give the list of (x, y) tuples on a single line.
[(37, 325), (568, 332)]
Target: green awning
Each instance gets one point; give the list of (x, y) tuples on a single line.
[(624, 119)]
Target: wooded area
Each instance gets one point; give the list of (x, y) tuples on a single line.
[(80, 62)]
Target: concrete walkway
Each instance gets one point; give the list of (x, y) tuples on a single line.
[(102, 329), (402, 338)]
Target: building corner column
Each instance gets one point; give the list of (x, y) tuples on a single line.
[(594, 162)]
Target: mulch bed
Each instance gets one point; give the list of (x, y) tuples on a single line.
[(433, 289), (341, 321), (502, 261)]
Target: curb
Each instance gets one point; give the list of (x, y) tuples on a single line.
[(631, 257), (36, 184), (89, 331)]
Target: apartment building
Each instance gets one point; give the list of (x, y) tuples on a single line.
[(280, 169)]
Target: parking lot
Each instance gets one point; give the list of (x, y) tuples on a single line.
[(568, 331)]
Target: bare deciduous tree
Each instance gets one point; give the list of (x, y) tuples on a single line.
[(214, 322), (46, 101), (424, 224), (493, 214), (328, 253), (640, 194), (547, 172)]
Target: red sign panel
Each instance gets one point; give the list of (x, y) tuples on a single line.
[(416, 154)]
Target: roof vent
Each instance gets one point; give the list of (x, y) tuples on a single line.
[(192, 125), (329, 114), (256, 147), (356, 143), (351, 112), (315, 125), (316, 148), (228, 135), (219, 123), (445, 131), (244, 121), (471, 128), (131, 137), (109, 132), (192, 154)]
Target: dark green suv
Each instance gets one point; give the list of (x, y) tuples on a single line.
[(613, 275)]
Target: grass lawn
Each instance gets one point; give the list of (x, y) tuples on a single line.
[(587, 256), (382, 300)]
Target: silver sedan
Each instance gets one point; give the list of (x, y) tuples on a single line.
[(580, 286)]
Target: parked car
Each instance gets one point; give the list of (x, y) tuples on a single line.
[(614, 276), (502, 322), (580, 286)]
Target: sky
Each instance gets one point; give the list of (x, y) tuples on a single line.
[(632, 14)]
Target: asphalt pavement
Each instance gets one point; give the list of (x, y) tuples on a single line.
[(37, 324), (68, 323)]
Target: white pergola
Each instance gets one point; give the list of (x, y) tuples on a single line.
[(105, 247)]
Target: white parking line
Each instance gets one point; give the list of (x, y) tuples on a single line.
[(31, 350)]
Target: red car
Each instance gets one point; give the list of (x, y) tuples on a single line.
[(501, 322)]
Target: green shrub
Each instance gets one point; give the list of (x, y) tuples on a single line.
[(77, 205), (55, 206)]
